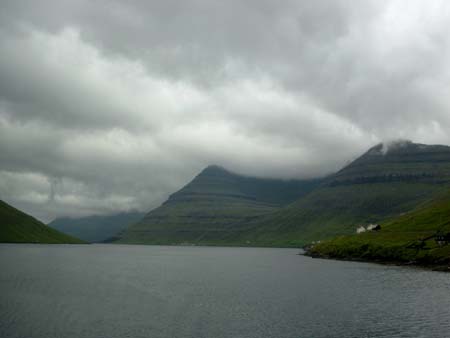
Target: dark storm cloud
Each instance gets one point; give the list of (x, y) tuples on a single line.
[(112, 105)]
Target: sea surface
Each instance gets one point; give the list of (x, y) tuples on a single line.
[(95, 291)]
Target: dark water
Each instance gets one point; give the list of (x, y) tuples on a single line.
[(148, 291)]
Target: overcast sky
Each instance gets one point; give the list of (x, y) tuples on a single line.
[(111, 105)]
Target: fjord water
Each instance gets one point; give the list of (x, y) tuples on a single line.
[(153, 291)]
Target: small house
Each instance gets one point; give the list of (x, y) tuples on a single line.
[(373, 227), (361, 229), (370, 227)]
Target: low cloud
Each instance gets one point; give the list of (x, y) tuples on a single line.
[(111, 106)]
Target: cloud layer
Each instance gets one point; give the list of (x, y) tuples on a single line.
[(110, 105)]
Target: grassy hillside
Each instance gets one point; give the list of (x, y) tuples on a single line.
[(212, 206), (377, 186), (18, 227), (405, 238), (96, 229)]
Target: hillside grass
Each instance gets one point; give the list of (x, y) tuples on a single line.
[(18, 227), (399, 240), (193, 221), (333, 211)]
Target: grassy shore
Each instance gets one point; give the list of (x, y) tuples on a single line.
[(406, 239)]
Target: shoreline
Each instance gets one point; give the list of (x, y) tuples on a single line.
[(412, 264)]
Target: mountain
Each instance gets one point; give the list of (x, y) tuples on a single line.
[(212, 206), (382, 183), (221, 208), (96, 228), (18, 227), (410, 237)]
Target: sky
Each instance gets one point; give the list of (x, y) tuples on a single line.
[(109, 106)]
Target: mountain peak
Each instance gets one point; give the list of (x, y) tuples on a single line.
[(396, 145), (399, 160), (214, 169), (403, 147), (384, 148)]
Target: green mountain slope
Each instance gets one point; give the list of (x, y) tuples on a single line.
[(18, 227), (96, 229), (378, 185), (212, 206), (406, 238), (222, 208)]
